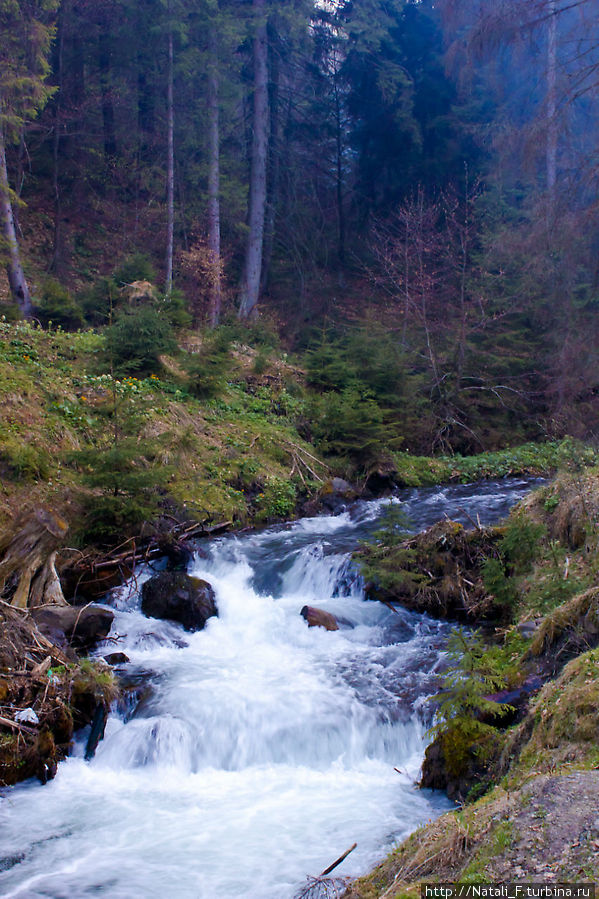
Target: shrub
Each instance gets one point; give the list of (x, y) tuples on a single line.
[(175, 310), (351, 426), (137, 339), (137, 267), (328, 367), (463, 704), (208, 368), (521, 540), (24, 461), (99, 300), (125, 477), (277, 500), (57, 306)]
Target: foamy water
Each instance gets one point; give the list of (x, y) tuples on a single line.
[(263, 748)]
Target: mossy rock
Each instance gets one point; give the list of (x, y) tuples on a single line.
[(453, 762)]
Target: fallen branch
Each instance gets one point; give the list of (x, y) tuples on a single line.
[(385, 602), (338, 861), (470, 519), (8, 722)]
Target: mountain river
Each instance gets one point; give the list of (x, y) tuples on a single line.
[(259, 749)]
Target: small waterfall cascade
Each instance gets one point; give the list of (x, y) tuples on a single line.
[(258, 749)]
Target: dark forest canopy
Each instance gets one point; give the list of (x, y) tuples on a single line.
[(432, 164)]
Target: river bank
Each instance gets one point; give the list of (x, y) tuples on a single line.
[(535, 762)]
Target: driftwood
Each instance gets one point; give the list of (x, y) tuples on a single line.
[(338, 861), (28, 560), (324, 888), (94, 575)]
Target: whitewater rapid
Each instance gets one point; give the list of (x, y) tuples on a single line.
[(257, 750)]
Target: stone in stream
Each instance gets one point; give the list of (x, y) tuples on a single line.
[(83, 627), (319, 618), (176, 596), (336, 494), (97, 731), (116, 658)]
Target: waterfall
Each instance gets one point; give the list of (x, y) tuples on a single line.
[(260, 749)]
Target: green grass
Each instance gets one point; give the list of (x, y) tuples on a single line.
[(528, 459)]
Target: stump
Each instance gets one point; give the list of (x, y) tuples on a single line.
[(28, 575)]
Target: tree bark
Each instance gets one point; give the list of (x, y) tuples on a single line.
[(551, 151), (214, 181), (273, 171), (27, 560), (250, 283), (170, 177), (339, 153), (16, 276), (57, 257), (107, 104)]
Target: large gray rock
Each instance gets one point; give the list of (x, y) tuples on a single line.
[(176, 596), (82, 627)]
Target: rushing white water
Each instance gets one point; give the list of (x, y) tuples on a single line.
[(261, 748)]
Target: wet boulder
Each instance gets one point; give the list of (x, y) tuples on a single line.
[(319, 618), (82, 627), (336, 494), (116, 658), (176, 596)]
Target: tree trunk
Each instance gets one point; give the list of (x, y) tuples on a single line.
[(250, 283), (57, 257), (107, 104), (339, 152), (214, 181), (16, 276), (551, 150), (274, 171), (170, 177)]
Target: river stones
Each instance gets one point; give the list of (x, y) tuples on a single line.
[(176, 596), (83, 627), (319, 618)]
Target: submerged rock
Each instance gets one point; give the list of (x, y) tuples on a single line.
[(319, 618), (176, 596)]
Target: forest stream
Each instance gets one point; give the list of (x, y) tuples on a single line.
[(258, 750)]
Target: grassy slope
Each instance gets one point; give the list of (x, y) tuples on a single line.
[(237, 456), (230, 457)]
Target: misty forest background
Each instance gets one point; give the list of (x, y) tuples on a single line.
[(404, 190)]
